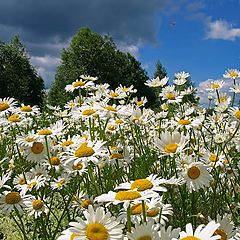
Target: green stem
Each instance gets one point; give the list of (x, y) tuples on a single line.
[(144, 211), (129, 223)]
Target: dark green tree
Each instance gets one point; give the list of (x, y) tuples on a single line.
[(160, 71), (18, 78), (92, 54)]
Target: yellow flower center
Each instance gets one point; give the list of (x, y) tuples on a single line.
[(12, 198), (137, 208), (4, 106), (14, 118), (84, 151), (142, 184), (125, 89), (61, 182), (72, 104), (37, 204), (26, 109), (29, 139), (31, 185), (221, 233), (223, 99), (215, 86), (78, 84), (153, 212), (45, 132), (237, 114), (184, 122), (111, 108), (147, 237), (135, 119), (22, 181), (226, 161), (139, 103), (171, 148), (55, 161), (170, 96), (114, 94), (73, 235), (88, 112), (96, 231), (86, 203), (111, 127), (193, 172), (190, 238), (116, 156), (78, 166), (213, 158), (37, 148), (119, 121), (233, 74), (67, 143), (127, 195)]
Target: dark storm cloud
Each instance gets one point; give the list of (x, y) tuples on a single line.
[(47, 19), (46, 26)]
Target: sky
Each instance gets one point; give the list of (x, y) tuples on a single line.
[(201, 37)]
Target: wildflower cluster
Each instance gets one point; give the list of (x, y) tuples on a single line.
[(106, 167)]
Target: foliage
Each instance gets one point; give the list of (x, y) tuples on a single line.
[(92, 54), (160, 71), (18, 78), (103, 167)]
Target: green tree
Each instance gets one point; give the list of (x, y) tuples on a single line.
[(160, 71), (18, 78), (92, 54)]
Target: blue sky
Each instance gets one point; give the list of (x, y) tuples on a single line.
[(200, 41), (201, 37)]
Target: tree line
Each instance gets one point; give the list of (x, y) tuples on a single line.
[(89, 53)]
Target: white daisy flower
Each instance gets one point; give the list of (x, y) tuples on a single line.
[(196, 176), (11, 199), (35, 207), (88, 78), (97, 226), (235, 112), (144, 231), (169, 233), (86, 152), (182, 75), (168, 93), (226, 228), (125, 197), (27, 140), (60, 182), (38, 151), (27, 110), (35, 183), (235, 88), (201, 233), (157, 82), (170, 143), (215, 85), (231, 73), (78, 84), (151, 182), (55, 129), (6, 105)]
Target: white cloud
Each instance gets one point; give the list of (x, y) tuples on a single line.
[(203, 94), (221, 29), (46, 67), (130, 48), (46, 61)]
